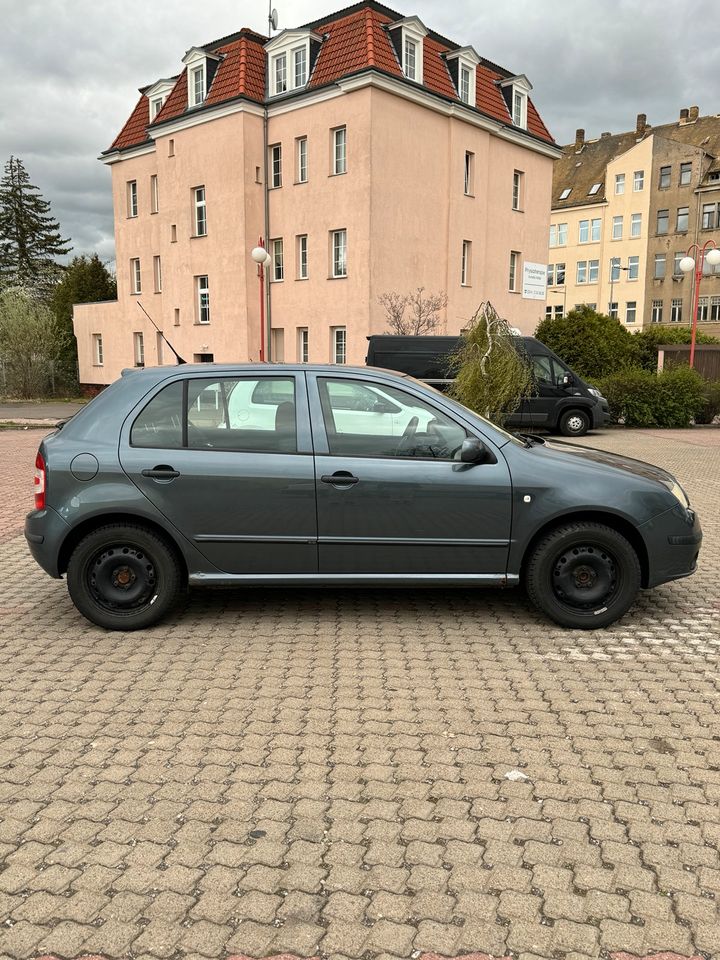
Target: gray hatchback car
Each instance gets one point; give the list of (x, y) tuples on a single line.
[(317, 475)]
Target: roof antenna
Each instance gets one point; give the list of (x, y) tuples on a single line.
[(177, 355), (272, 18)]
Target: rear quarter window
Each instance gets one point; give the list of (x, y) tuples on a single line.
[(159, 424)]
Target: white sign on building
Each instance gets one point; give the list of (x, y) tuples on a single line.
[(534, 281)]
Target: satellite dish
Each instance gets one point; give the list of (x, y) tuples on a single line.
[(274, 18)]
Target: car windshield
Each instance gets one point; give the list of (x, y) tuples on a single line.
[(463, 409)]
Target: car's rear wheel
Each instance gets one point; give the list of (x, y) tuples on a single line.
[(583, 575), (574, 423), (124, 577)]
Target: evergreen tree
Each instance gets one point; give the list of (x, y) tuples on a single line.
[(30, 238)]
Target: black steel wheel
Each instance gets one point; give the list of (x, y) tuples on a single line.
[(583, 575), (123, 577), (574, 423)]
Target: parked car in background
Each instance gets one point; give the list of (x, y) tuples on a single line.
[(562, 402), (324, 475)]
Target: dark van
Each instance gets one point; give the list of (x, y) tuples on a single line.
[(563, 402)]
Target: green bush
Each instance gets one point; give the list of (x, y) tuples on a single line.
[(639, 398), (646, 342), (592, 344), (711, 394)]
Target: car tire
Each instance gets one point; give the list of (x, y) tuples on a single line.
[(124, 577), (574, 423), (583, 575)]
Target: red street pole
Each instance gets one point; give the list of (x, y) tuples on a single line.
[(699, 264), (261, 278)]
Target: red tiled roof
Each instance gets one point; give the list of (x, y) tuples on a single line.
[(351, 43)]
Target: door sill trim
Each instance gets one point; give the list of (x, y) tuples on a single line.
[(354, 579)]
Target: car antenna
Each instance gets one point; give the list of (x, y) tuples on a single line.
[(177, 355)]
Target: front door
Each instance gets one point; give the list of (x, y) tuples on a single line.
[(540, 409), (392, 504), (228, 461)]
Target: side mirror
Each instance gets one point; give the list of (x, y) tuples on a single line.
[(568, 380), (472, 450)]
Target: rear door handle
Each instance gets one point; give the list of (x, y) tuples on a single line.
[(342, 478), (161, 472)]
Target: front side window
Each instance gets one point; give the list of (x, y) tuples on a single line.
[(660, 265), (300, 66), (617, 228), (410, 68), (631, 311), (280, 73), (339, 253), (197, 85), (364, 419), (633, 268), (202, 294), (683, 216), (339, 345), (635, 224), (132, 198), (663, 220), (276, 165), (619, 183), (135, 276), (340, 150), (302, 160), (638, 181), (302, 257), (200, 212), (278, 259), (685, 174)]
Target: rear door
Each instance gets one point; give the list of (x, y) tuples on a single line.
[(228, 461)]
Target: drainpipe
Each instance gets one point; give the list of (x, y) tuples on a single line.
[(266, 200)]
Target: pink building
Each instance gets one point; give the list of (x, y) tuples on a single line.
[(375, 156)]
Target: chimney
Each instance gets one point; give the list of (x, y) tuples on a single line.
[(579, 139), (694, 114), (605, 135), (640, 124), (684, 115)]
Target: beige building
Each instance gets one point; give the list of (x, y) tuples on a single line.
[(626, 209), (374, 156)]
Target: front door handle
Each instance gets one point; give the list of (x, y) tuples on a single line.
[(161, 472), (342, 478)]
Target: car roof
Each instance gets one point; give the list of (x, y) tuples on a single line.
[(213, 369)]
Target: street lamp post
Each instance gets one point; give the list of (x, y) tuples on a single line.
[(263, 259), (709, 252)]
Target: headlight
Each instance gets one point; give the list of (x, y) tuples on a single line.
[(677, 491), (596, 393)]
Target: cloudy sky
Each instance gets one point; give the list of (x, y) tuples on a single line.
[(72, 69)]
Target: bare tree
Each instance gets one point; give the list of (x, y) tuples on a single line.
[(413, 314)]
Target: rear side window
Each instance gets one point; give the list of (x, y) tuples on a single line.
[(160, 423)]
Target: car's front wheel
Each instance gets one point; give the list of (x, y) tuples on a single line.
[(124, 577), (583, 575)]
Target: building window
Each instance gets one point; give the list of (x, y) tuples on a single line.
[(663, 221), (303, 345), (339, 345), (155, 107), (715, 310), (470, 174), (300, 66), (631, 311), (635, 224), (633, 268), (613, 310), (676, 310), (200, 212), (660, 261), (135, 277), (584, 231), (280, 74), (278, 259), (139, 349), (302, 257), (638, 181), (171, 148), (98, 349), (410, 55), (157, 274), (276, 165), (702, 313), (677, 272), (594, 189), (593, 270), (302, 159), (619, 183), (553, 235), (173, 233), (132, 198), (197, 85), (339, 253), (560, 275), (176, 317), (339, 140), (514, 277), (154, 194), (708, 216), (685, 174), (517, 190), (518, 108), (617, 228), (466, 263), (664, 184), (657, 311), (595, 230), (614, 269), (562, 231), (465, 79), (565, 194), (683, 216), (202, 289), (581, 271), (551, 274)]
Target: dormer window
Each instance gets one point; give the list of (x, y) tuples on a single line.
[(157, 94), (462, 64), (201, 67), (291, 56), (519, 110), (516, 90), (465, 84), (565, 194), (197, 85), (407, 38)]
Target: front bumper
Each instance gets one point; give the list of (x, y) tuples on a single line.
[(601, 413), (673, 542), (45, 531)]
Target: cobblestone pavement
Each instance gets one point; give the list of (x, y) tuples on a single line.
[(325, 772)]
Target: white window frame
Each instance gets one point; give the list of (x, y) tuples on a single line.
[(301, 156), (277, 248), (565, 193), (714, 309), (194, 71), (619, 184), (339, 151), (339, 345), (703, 309), (202, 298), (633, 271), (630, 311), (98, 354), (132, 199), (594, 189), (517, 191), (157, 273), (279, 74), (410, 57), (638, 181), (465, 82), (275, 150), (614, 269), (519, 108), (300, 57), (656, 314), (553, 235), (581, 275), (303, 345), (676, 306), (514, 272), (562, 234), (466, 264), (154, 194), (584, 231), (135, 276), (338, 253), (617, 228), (156, 105), (635, 225), (288, 59), (593, 271), (302, 256), (139, 349), (200, 211), (595, 230), (559, 274)]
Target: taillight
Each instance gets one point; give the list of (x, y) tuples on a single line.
[(39, 482)]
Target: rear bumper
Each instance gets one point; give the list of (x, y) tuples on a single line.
[(673, 542), (45, 531)]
